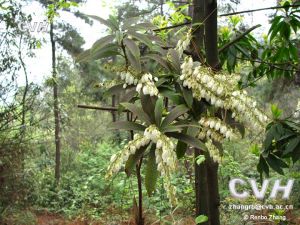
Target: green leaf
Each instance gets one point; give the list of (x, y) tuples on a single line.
[(276, 164), (276, 29), (102, 42), (276, 111), (175, 113), (135, 62), (137, 111), (194, 142), (130, 22), (188, 96), (148, 105), (141, 37), (172, 128), (159, 107), (157, 59), (107, 23), (133, 159), (132, 47), (174, 59), (143, 27), (116, 89), (151, 173), (181, 149), (126, 125), (263, 166), (174, 97), (201, 219), (291, 145), (107, 51), (200, 159), (84, 56)]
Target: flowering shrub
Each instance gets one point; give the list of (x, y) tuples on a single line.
[(198, 99)]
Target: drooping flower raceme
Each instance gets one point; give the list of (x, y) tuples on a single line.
[(213, 151), (128, 78), (147, 85), (183, 44), (215, 128), (164, 153), (297, 112), (117, 160), (222, 91)]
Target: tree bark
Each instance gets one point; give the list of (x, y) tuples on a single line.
[(214, 197), (211, 34), (212, 59), (55, 107), (197, 46), (201, 188)]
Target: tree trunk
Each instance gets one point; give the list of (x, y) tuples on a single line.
[(201, 187), (55, 107), (214, 197), (212, 59)]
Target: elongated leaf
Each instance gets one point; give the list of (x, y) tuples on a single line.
[(129, 94), (102, 42), (141, 37), (117, 89), (126, 125), (276, 164), (181, 149), (151, 173), (158, 111), (174, 59), (201, 219), (107, 51), (188, 96), (133, 159), (137, 111), (172, 128), (130, 22), (263, 166), (194, 142), (148, 105), (107, 23), (135, 62), (132, 47), (292, 144), (84, 56), (157, 59), (176, 112), (143, 27)]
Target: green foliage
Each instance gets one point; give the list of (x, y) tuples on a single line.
[(82, 189), (201, 219), (281, 145), (17, 216)]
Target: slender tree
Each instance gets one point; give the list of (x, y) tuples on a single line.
[(55, 105)]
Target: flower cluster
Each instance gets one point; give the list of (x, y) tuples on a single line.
[(128, 78), (165, 158), (215, 128), (221, 91), (245, 110), (164, 153), (108, 84), (183, 44), (213, 151), (146, 83), (117, 160), (297, 112), (202, 83)]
